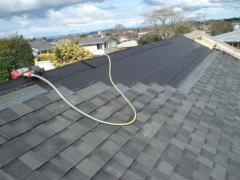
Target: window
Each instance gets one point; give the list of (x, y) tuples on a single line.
[(99, 46), (105, 45)]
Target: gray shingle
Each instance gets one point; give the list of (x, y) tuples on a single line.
[(132, 149), (110, 147), (115, 169), (5, 176), (140, 169), (61, 164), (88, 167), (83, 147), (17, 169), (30, 160), (8, 115), (100, 156), (92, 140), (50, 171), (73, 132), (103, 175), (165, 168), (75, 174), (186, 167), (72, 114), (122, 159), (147, 159), (129, 175), (72, 155), (199, 175), (37, 102), (205, 161), (21, 109), (218, 172)]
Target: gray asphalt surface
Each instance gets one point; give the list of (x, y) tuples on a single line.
[(166, 62)]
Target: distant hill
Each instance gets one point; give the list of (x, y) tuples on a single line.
[(60, 36), (233, 19)]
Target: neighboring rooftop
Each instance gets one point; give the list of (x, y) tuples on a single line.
[(231, 37), (95, 40), (179, 135), (212, 43), (41, 45)]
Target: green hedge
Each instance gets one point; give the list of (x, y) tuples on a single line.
[(15, 52)]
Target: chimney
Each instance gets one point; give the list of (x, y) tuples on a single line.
[(101, 34)]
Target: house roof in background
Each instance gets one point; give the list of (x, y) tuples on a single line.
[(177, 135), (233, 36), (41, 45), (94, 40)]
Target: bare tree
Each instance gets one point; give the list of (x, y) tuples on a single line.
[(201, 19), (163, 21), (120, 29)]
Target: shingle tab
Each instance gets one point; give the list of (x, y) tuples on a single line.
[(17, 169), (8, 115), (88, 167)]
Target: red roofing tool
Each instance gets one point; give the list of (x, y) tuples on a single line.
[(26, 72)]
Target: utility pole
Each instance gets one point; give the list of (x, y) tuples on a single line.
[(204, 22)]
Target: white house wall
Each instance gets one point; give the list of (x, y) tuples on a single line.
[(93, 49), (47, 65), (111, 43), (127, 44)]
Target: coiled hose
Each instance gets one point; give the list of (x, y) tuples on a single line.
[(132, 120)]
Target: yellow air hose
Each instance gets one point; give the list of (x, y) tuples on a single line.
[(132, 120)]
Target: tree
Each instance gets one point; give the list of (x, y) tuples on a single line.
[(183, 29), (148, 38), (46, 57), (120, 30), (164, 21), (15, 53), (21, 50), (220, 27), (68, 52), (7, 63)]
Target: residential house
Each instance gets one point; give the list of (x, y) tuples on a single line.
[(123, 39), (236, 25), (231, 38), (127, 44), (99, 45), (186, 94), (41, 46), (140, 34)]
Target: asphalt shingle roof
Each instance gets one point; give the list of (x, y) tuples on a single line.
[(177, 136)]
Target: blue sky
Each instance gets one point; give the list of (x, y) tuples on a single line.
[(36, 18)]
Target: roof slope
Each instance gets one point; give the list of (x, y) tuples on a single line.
[(177, 136), (164, 62)]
